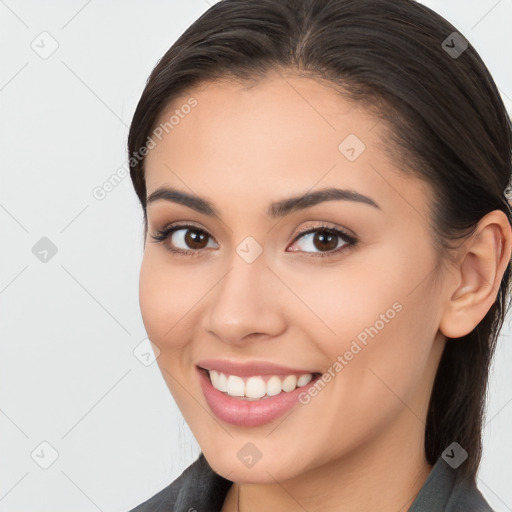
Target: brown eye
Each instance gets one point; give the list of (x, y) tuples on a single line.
[(195, 239), (185, 239), (324, 241)]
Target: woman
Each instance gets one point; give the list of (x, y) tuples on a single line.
[(327, 254)]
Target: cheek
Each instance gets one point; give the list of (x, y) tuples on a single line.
[(166, 302), (344, 303), (378, 314), (165, 297), (386, 334)]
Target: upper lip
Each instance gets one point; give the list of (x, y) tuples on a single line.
[(249, 368)]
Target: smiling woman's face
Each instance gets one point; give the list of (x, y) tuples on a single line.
[(253, 290)]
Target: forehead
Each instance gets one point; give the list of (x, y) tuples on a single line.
[(278, 120), (285, 133)]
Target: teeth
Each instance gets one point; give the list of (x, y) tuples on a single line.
[(304, 379), (222, 383), (290, 383), (255, 387), (235, 386), (274, 386)]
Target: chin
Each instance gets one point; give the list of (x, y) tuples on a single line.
[(266, 470)]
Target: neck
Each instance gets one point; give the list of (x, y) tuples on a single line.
[(385, 474)]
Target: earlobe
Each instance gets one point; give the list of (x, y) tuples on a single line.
[(480, 271)]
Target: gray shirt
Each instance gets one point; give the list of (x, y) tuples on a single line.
[(200, 489)]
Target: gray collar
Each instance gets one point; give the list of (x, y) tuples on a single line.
[(200, 489)]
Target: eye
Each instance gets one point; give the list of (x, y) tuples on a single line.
[(193, 240), (190, 238), (325, 239)]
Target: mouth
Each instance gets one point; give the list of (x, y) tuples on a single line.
[(257, 387), (254, 398)]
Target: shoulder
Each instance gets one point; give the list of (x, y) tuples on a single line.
[(467, 497), (442, 492), (197, 489)]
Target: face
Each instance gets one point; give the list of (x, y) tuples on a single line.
[(338, 289)]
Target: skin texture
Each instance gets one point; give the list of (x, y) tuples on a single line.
[(359, 444)]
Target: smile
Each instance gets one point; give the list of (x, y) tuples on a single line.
[(251, 394), (256, 387)]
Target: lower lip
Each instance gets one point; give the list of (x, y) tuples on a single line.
[(248, 413)]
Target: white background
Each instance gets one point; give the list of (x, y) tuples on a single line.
[(68, 327)]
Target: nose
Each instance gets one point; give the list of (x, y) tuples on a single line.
[(247, 303)]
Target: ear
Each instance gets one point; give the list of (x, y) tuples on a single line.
[(479, 271)]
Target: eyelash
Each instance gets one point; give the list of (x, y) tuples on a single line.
[(350, 241)]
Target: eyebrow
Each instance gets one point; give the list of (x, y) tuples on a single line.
[(275, 210)]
